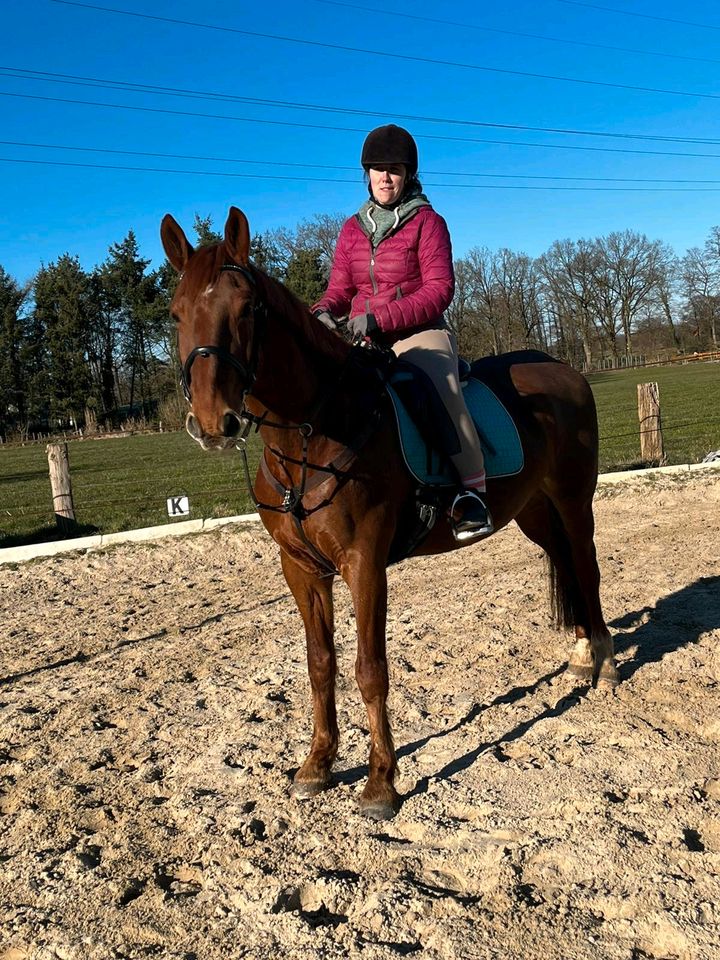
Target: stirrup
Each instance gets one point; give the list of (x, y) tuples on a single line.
[(471, 528)]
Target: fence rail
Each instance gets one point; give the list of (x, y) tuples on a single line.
[(124, 482)]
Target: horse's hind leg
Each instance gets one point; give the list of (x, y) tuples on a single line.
[(565, 533), (313, 596), (594, 647)]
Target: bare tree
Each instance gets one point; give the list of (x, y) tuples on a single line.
[(569, 271), (485, 298), (701, 279), (461, 314), (317, 236), (629, 264), (668, 273)]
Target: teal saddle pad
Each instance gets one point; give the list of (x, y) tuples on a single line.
[(498, 434)]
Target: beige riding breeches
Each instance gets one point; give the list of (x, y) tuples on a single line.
[(435, 353)]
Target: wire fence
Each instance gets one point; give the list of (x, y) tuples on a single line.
[(125, 483)]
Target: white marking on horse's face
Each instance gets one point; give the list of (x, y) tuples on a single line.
[(208, 290)]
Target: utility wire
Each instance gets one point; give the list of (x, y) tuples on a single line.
[(642, 16), (104, 83), (407, 58), (361, 130), (328, 166), (514, 33), (355, 180)]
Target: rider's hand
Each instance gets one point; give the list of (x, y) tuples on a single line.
[(327, 320), (362, 325)]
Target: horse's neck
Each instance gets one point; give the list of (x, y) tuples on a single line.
[(300, 360)]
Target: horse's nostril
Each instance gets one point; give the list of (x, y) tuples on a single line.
[(230, 425), (192, 426)]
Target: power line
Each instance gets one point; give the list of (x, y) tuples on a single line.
[(408, 58), (329, 166), (642, 16), (514, 33), (268, 176), (320, 126), (127, 85)]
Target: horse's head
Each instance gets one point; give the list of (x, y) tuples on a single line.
[(218, 317)]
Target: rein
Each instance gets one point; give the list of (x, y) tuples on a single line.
[(293, 495)]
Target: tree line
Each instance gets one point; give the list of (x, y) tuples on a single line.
[(593, 303), (96, 347)]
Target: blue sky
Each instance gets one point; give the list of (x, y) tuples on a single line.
[(47, 210)]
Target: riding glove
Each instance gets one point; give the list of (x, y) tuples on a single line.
[(327, 320), (363, 325)]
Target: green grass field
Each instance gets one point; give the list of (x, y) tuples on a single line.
[(120, 484), (123, 483), (690, 411)]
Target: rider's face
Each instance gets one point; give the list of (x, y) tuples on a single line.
[(387, 181)]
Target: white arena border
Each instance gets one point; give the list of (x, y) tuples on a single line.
[(51, 548)]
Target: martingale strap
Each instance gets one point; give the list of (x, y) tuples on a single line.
[(313, 475), (291, 503)]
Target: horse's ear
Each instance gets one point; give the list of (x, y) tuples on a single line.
[(176, 245), (237, 236)]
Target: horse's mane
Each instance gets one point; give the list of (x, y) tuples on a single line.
[(280, 301), (286, 304)]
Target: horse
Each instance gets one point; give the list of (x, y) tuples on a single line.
[(332, 489)]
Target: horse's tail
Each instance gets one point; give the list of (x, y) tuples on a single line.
[(562, 582)]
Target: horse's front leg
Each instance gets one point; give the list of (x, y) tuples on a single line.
[(313, 596), (368, 586)]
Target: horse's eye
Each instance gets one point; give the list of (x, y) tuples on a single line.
[(175, 317)]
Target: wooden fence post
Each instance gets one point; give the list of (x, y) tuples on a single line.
[(652, 449), (61, 488)]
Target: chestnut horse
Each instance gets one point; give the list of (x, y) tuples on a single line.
[(333, 489)]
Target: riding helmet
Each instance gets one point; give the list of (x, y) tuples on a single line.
[(390, 144)]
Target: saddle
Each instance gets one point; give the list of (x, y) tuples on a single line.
[(428, 439)]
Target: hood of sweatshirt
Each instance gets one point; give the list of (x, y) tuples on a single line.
[(378, 221)]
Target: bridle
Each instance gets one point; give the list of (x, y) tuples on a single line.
[(292, 495), (248, 373)]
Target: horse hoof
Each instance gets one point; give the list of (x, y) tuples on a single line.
[(380, 810), (308, 789), (608, 678), (383, 807), (581, 671)]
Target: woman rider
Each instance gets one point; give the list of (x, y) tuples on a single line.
[(393, 275)]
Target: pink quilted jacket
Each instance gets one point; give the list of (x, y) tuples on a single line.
[(406, 284)]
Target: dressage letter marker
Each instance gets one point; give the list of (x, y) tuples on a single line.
[(178, 507)]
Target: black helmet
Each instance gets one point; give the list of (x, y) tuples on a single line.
[(390, 144)]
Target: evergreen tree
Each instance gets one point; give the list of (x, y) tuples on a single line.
[(131, 300), (305, 275), (62, 319), (103, 337), (265, 255), (203, 228), (13, 406)]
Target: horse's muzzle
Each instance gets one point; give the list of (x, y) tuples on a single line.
[(224, 438)]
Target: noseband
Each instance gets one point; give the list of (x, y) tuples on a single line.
[(247, 373)]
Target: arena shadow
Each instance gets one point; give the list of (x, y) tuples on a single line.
[(356, 774), (677, 620), (459, 764)]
